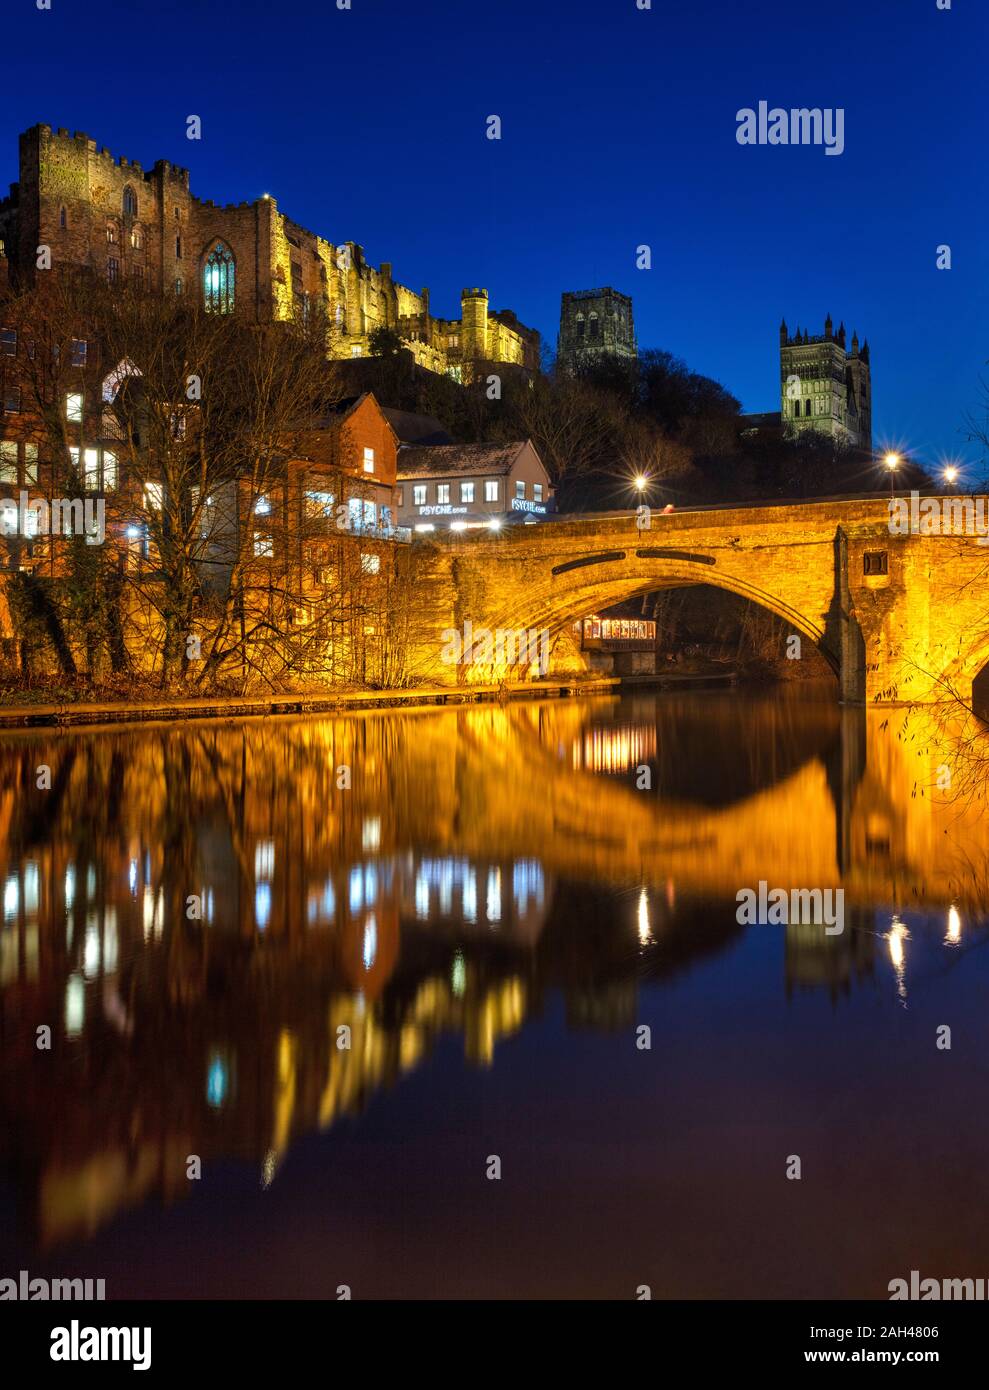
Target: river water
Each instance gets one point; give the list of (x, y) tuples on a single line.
[(457, 1003)]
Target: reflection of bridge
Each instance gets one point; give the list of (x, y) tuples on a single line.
[(891, 614)]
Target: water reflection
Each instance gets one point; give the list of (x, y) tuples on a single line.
[(233, 950)]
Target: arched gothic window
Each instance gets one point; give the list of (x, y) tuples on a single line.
[(594, 325), (130, 202), (218, 280)]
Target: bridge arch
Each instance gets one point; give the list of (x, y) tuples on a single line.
[(557, 597)]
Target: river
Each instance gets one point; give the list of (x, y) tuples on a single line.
[(457, 1003)]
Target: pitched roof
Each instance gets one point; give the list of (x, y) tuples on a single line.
[(416, 429), (432, 460)]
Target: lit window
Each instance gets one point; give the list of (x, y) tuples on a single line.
[(178, 286), (370, 564), (262, 507), (73, 406), (520, 488), (399, 497), (466, 492), (135, 238), (368, 460), (91, 470), (442, 493), (264, 546), (491, 490), (153, 496), (537, 492), (319, 503), (8, 461), (109, 470), (8, 342), (419, 495), (30, 463), (355, 350), (111, 233), (218, 279)]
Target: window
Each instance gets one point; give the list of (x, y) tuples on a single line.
[(399, 496), (368, 460), (178, 286), (419, 495), (178, 248), (262, 507), (218, 280), (62, 222), (153, 496), (137, 275), (807, 406), (580, 325), (520, 488), (491, 490), (31, 463), (355, 350), (109, 470), (8, 461), (443, 493), (319, 503), (594, 326), (875, 562), (12, 400), (8, 342), (135, 238), (80, 351), (130, 202), (112, 270), (370, 564), (537, 492), (111, 233), (264, 546), (91, 470), (466, 492), (73, 406)]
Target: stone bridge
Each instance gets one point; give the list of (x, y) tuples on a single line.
[(900, 619)]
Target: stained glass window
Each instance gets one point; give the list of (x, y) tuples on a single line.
[(218, 280)]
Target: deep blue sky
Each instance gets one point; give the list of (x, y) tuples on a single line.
[(619, 129)]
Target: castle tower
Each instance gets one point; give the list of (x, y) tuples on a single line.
[(824, 387), (474, 325), (594, 325)]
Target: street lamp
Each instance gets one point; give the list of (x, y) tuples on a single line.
[(951, 474), (892, 462), (641, 483)]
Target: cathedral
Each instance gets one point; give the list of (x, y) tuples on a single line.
[(146, 227), (825, 385), (595, 325)]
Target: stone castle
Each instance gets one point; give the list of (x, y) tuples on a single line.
[(594, 325), (118, 219), (826, 386)]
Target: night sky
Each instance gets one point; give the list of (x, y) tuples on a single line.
[(618, 129)]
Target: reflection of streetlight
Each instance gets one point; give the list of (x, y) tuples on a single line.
[(892, 462)]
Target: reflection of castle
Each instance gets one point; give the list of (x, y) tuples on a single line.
[(470, 871)]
